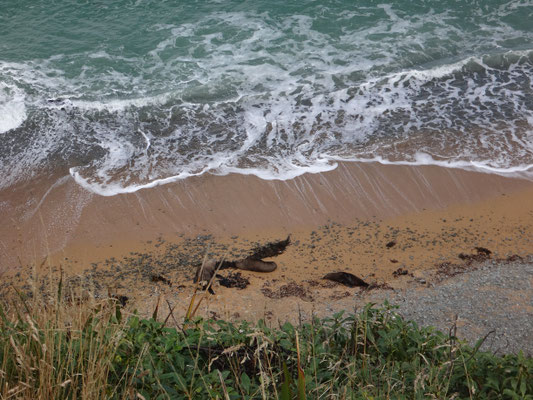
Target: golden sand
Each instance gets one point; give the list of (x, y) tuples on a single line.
[(341, 220)]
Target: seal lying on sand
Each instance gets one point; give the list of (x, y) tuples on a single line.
[(247, 264), (253, 262)]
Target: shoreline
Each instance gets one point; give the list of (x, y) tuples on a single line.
[(61, 218)]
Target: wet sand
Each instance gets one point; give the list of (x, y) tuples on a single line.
[(341, 220)]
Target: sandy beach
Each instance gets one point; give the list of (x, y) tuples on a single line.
[(59, 217), (367, 219)]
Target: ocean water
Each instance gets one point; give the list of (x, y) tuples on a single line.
[(128, 94)]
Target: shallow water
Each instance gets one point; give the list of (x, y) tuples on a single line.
[(130, 94)]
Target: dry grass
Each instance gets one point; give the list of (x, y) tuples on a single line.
[(54, 348)]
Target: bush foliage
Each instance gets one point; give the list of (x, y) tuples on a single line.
[(92, 352)]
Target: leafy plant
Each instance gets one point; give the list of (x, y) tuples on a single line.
[(88, 350)]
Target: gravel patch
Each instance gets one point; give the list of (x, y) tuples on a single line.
[(497, 297)]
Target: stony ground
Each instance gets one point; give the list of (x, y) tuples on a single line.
[(494, 300)]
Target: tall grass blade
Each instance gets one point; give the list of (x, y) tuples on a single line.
[(286, 386), (301, 375)]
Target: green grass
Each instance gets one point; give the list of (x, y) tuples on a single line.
[(88, 350)]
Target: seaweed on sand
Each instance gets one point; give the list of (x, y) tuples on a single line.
[(270, 249)]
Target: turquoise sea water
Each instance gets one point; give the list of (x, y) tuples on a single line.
[(129, 94)]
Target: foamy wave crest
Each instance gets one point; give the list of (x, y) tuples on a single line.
[(471, 114), (12, 107), (118, 105), (523, 171)]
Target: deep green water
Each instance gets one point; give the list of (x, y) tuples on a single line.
[(128, 94)]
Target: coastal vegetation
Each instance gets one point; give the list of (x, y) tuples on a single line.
[(76, 347)]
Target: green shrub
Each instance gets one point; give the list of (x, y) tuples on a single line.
[(374, 354)]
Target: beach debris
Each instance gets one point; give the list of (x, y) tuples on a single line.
[(160, 278), (483, 250), (482, 254), (340, 295), (393, 260), (390, 244), (451, 269), (346, 279), (234, 280), (252, 262), (401, 271), (471, 262), (322, 284), (270, 249), (291, 289), (514, 257)]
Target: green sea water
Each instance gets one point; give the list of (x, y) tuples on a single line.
[(129, 94)]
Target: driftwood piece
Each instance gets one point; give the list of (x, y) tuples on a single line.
[(253, 262), (346, 279)]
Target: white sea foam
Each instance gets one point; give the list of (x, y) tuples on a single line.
[(524, 171), (114, 188), (277, 151), (117, 105), (291, 171), (12, 107)]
